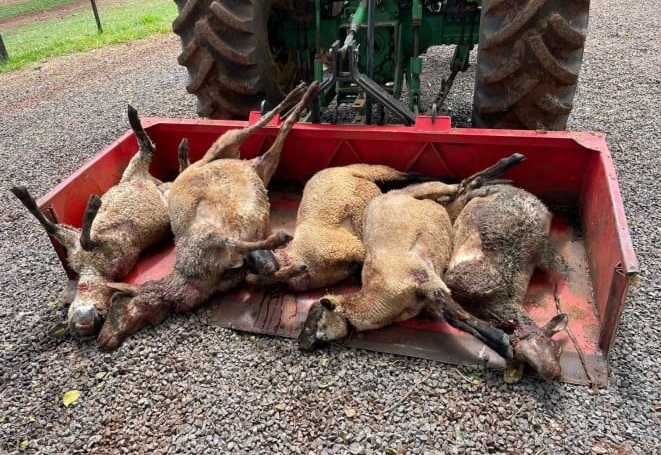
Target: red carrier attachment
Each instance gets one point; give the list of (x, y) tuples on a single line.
[(572, 172)]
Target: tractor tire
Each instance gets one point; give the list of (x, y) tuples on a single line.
[(528, 60), (225, 48)]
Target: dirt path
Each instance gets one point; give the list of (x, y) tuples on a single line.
[(21, 89)]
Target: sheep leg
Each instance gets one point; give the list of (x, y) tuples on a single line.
[(491, 336), (65, 235), (377, 173), (183, 155), (272, 242), (291, 97), (266, 164), (382, 174), (478, 179), (281, 276), (444, 307), (291, 271), (429, 190), (93, 206), (138, 167), (227, 145)]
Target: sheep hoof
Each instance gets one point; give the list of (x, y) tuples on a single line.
[(284, 236), (499, 341)]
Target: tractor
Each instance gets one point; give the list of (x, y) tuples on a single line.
[(242, 53)]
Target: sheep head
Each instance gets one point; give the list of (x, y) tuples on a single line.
[(538, 349), (85, 311), (131, 308), (325, 322)]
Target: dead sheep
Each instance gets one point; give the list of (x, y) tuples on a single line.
[(219, 212), (408, 243), (129, 218), (328, 240), (499, 240)]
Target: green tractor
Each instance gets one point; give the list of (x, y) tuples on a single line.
[(240, 53)]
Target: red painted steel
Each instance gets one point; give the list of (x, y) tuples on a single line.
[(572, 172)]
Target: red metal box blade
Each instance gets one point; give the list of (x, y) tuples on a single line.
[(572, 172)]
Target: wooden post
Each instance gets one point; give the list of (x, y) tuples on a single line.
[(96, 16), (3, 50)]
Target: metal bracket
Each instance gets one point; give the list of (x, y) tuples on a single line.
[(368, 85)]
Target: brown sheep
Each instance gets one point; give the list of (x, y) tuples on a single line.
[(219, 212), (327, 246), (408, 243), (130, 217), (499, 240)]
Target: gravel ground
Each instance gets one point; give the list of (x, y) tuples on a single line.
[(189, 387)]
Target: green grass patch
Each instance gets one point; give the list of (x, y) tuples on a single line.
[(30, 6), (76, 33)]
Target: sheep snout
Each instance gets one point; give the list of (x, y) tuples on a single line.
[(262, 262), (85, 322), (320, 327), (307, 340), (542, 354)]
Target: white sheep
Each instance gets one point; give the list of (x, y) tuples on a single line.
[(129, 218)]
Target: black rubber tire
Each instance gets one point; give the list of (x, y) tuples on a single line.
[(226, 51), (528, 61)]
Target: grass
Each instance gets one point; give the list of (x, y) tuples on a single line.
[(30, 6), (76, 33)]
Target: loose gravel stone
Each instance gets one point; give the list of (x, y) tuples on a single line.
[(187, 387)]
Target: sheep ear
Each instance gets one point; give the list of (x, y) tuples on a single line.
[(556, 324), (59, 330), (125, 288), (328, 303)]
